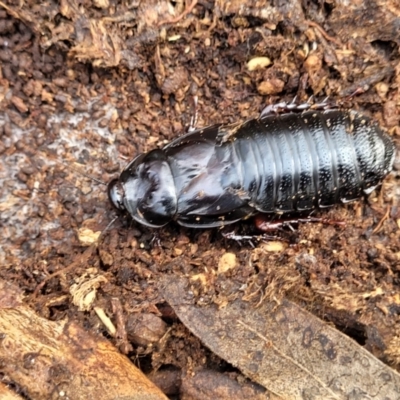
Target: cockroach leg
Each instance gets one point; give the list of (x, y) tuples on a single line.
[(239, 238), (263, 224), (293, 106), (252, 238), (155, 240), (195, 116)]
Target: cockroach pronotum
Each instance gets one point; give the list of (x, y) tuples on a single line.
[(279, 163)]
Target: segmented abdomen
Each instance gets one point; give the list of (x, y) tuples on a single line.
[(295, 162)]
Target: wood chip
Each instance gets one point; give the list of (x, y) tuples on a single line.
[(87, 366)]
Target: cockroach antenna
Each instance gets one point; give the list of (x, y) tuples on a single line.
[(110, 224), (102, 183), (63, 163), (86, 175), (105, 230)]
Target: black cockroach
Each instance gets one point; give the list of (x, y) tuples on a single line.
[(287, 162)]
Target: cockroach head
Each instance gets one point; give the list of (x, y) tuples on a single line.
[(116, 194), (146, 190)]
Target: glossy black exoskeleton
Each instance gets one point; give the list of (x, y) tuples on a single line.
[(277, 163)]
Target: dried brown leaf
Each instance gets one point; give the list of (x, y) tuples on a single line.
[(285, 349)]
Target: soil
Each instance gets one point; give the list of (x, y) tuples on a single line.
[(85, 87)]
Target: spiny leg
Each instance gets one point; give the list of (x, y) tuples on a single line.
[(263, 224), (293, 106), (195, 116), (252, 238)]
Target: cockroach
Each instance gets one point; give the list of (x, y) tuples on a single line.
[(291, 159)]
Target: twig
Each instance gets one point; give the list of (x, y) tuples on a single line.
[(383, 219), (121, 334), (323, 32), (82, 259), (366, 82), (188, 10)]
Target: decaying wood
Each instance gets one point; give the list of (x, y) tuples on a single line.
[(60, 359)]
